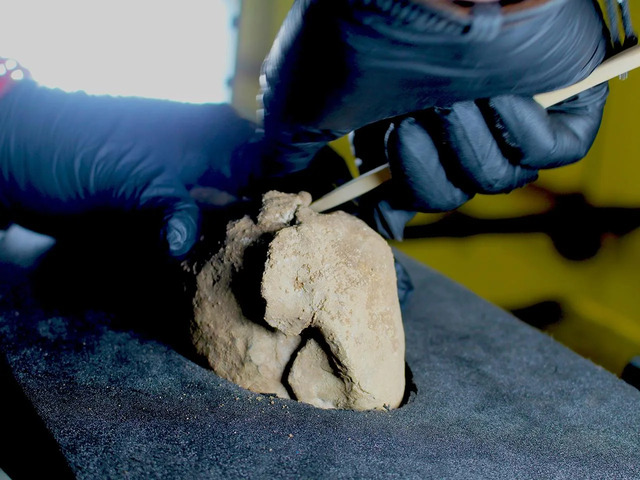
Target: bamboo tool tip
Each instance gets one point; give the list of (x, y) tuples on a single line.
[(353, 189)]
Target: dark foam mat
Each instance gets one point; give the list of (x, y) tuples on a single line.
[(89, 396)]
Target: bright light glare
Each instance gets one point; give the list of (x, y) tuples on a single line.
[(179, 50)]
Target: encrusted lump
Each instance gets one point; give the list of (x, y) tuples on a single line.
[(303, 305)]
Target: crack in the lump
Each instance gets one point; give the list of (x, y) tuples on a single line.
[(308, 334), (247, 281), (287, 369)]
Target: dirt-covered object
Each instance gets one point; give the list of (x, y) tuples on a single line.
[(303, 305)]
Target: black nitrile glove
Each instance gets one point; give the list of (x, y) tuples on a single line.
[(440, 158), (67, 160), (445, 156), (338, 65)]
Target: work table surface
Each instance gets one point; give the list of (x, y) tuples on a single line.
[(90, 394)]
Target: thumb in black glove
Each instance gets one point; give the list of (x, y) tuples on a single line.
[(68, 160)]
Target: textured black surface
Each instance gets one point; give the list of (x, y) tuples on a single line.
[(496, 399)]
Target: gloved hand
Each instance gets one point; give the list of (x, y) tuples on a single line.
[(338, 65), (442, 157), (69, 158)]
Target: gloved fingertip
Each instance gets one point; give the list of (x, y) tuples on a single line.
[(419, 176), (180, 233)]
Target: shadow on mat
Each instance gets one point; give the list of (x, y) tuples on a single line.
[(126, 274)]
